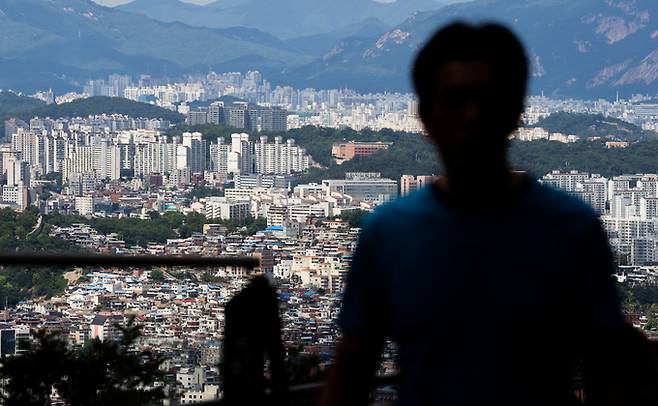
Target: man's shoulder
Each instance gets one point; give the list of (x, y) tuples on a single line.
[(401, 211), (557, 203), (543, 203)]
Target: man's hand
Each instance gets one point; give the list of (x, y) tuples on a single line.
[(350, 377)]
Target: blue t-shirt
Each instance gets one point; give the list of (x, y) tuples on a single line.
[(488, 307)]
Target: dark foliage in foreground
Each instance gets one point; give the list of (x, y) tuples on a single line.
[(101, 373)]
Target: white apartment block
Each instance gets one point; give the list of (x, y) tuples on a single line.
[(324, 271), (279, 157), (219, 153), (648, 207), (249, 194), (590, 189), (16, 195), (196, 151), (16, 171), (410, 183), (566, 181), (623, 231), (225, 209), (308, 190), (85, 205), (644, 251), (258, 180), (302, 212), (628, 205), (79, 160), (376, 190), (208, 393)]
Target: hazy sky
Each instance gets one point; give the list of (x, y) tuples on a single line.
[(117, 2)]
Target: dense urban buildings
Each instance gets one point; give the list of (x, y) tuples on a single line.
[(627, 205), (263, 107), (248, 194)]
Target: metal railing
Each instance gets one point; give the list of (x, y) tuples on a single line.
[(38, 259), (304, 392), (310, 392)]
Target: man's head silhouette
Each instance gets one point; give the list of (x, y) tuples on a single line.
[(471, 82)]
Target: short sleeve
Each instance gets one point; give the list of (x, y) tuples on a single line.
[(363, 311)]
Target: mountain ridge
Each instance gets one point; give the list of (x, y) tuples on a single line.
[(585, 49), (284, 18), (91, 41), (589, 48)]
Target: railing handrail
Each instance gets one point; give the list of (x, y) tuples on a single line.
[(313, 388), (113, 260), (377, 382)]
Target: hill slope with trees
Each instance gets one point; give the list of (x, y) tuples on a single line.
[(20, 283), (414, 154), (593, 125), (101, 104)]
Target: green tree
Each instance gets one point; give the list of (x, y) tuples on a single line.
[(354, 217), (100, 105), (593, 125), (134, 231), (157, 275), (201, 192), (102, 373), (19, 232)]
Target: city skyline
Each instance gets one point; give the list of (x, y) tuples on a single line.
[(257, 145)]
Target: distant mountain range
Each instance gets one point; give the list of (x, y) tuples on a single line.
[(321, 44), (283, 18), (583, 48), (60, 43)]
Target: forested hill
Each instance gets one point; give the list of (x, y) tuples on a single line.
[(20, 232), (13, 103), (23, 107), (100, 105), (413, 154), (593, 125)]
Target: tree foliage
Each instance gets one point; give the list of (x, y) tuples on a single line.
[(245, 226), (101, 373), (100, 105), (638, 295), (414, 154), (18, 232), (201, 192), (157, 275), (593, 125), (135, 231), (540, 157), (353, 217), (12, 104)]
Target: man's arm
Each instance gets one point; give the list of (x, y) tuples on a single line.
[(619, 366), (364, 324), (351, 375)]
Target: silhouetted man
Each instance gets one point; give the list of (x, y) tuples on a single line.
[(493, 286)]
